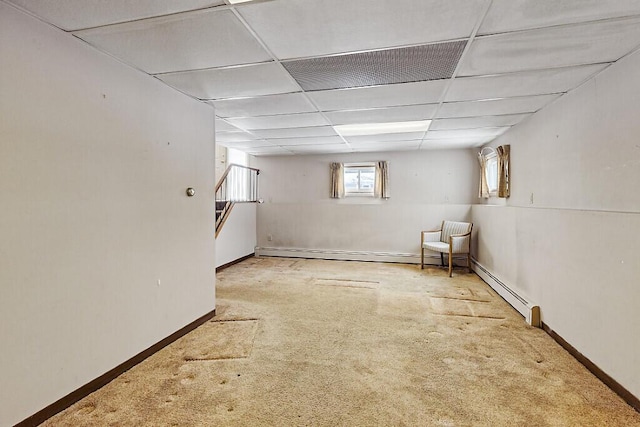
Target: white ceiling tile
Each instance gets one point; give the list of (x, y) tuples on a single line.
[(234, 136), (281, 121), (392, 114), (319, 149), (268, 151), (512, 15), (405, 136), (222, 126), (494, 107), (246, 145), (520, 84), (471, 134), (307, 141), (301, 132), (304, 28), (264, 105), (194, 40), (379, 96), (552, 47), (452, 144), (252, 80), (77, 14), (477, 122)]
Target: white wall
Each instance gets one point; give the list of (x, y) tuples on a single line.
[(238, 235), (575, 250), (101, 252), (425, 188)]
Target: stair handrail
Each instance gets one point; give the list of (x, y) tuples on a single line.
[(226, 172)]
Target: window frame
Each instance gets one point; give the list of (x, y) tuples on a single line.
[(360, 192), (491, 172)]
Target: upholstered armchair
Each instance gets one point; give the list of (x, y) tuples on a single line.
[(452, 238)]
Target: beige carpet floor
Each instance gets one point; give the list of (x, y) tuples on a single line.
[(332, 343)]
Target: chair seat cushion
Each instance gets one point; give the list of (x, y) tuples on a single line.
[(436, 246)]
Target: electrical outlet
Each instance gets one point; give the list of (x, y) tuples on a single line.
[(531, 199), (269, 237)]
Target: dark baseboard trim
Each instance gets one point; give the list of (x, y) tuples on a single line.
[(625, 394), (71, 398), (229, 264)]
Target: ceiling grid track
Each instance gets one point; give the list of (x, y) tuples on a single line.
[(472, 37), (277, 61)]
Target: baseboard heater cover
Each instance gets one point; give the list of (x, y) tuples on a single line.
[(529, 310), (396, 257)]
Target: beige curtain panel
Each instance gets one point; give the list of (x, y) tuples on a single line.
[(483, 190), (503, 152), (381, 189), (337, 180)]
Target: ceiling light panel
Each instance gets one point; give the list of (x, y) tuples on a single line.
[(409, 64), (264, 105), (477, 122), (300, 132), (387, 146), (379, 96), (73, 15), (494, 107), (367, 139), (382, 128), (195, 40), (303, 28), (392, 114), (281, 121), (251, 80), (512, 15), (307, 141), (525, 83), (580, 44)]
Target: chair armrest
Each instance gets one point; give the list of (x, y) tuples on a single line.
[(460, 243), (431, 236)]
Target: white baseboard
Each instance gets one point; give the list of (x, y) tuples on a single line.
[(398, 257), (529, 310)]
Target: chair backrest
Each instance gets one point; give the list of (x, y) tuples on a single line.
[(452, 227)]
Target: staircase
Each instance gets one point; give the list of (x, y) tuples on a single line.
[(239, 184)]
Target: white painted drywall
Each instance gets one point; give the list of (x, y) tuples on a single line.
[(238, 235), (425, 188), (575, 250), (101, 252)]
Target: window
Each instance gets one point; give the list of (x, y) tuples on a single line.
[(491, 173), (488, 159), (359, 179)]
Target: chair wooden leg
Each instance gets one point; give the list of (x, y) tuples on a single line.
[(441, 259), (450, 264), (422, 259), (469, 262)]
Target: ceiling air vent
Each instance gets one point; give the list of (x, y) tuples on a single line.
[(402, 65)]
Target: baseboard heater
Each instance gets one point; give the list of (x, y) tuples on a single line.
[(529, 310)]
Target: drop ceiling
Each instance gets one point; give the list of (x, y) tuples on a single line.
[(282, 73)]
